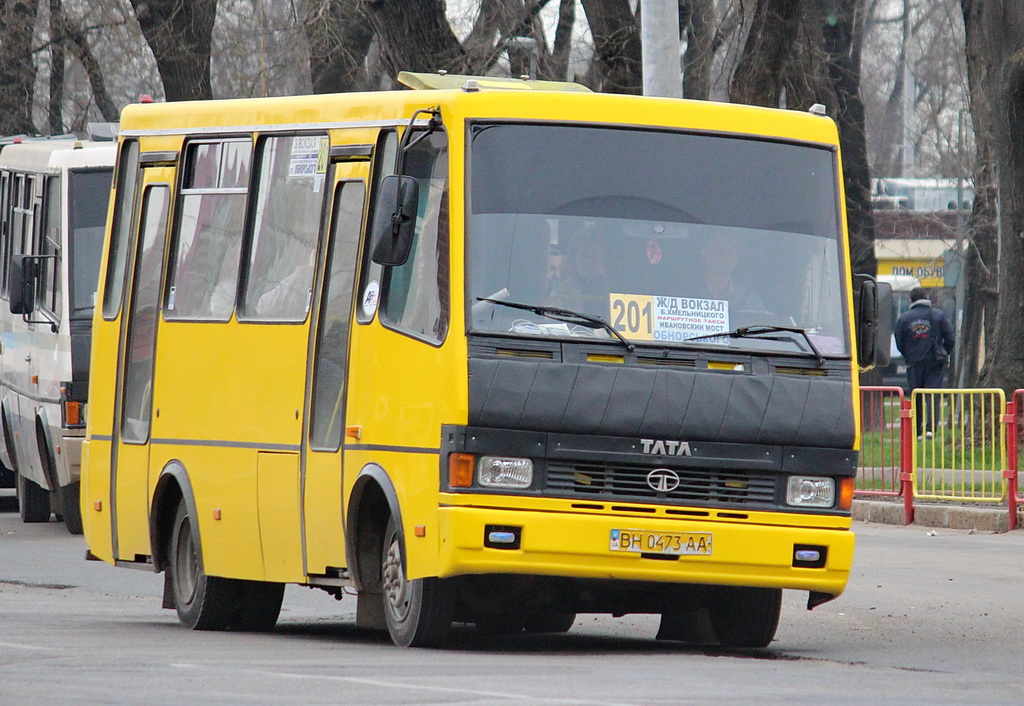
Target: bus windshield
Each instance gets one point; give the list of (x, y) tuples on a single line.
[(667, 236), (89, 192)]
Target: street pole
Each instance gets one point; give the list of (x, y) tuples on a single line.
[(659, 33)]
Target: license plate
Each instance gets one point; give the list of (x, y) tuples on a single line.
[(644, 542)]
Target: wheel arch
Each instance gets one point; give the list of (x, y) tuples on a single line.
[(8, 432), (172, 487), (45, 448), (366, 524)]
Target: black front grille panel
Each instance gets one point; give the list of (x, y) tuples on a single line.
[(616, 482)]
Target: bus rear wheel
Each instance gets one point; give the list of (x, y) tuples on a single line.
[(33, 501), (745, 617), (70, 509), (418, 613)]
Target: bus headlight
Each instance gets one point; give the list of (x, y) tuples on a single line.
[(503, 472), (811, 491)]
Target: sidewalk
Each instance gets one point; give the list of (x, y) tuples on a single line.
[(994, 518)]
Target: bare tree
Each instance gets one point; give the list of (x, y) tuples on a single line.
[(17, 70), (339, 35), (617, 54), (843, 38), (415, 38), (178, 32), (995, 59), (758, 76)]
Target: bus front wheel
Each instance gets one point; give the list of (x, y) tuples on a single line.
[(744, 617), (418, 613), (203, 602)]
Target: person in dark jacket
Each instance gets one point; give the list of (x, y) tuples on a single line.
[(925, 338)]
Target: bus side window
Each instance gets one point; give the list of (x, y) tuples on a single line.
[(207, 247), (331, 355), (286, 223), (48, 288), (127, 187), (370, 272), (415, 295), (5, 226)]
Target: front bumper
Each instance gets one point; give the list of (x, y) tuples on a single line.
[(577, 544)]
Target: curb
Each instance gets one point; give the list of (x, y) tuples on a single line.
[(986, 519)]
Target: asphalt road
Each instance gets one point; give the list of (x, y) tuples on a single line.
[(930, 616)]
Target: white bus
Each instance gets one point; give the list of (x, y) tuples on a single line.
[(53, 204)]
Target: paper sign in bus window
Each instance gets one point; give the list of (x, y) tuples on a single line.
[(665, 318)]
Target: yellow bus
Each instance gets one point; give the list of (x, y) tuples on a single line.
[(492, 352)]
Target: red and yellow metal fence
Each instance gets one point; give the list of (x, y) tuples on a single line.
[(941, 444)]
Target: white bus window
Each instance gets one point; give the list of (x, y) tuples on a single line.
[(416, 293), (48, 292), (88, 192), (204, 278), (126, 185), (331, 355), (289, 200)]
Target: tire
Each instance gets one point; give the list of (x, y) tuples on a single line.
[(745, 617), (202, 602), (417, 613), (259, 605), (33, 501), (70, 496), (550, 622)]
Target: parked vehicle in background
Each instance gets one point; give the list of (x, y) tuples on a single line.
[(895, 373), (54, 195)]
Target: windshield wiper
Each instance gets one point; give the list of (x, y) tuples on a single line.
[(567, 316), (759, 331)]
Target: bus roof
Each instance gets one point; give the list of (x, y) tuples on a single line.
[(477, 100), (52, 155)]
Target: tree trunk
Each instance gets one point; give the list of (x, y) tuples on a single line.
[(179, 33), (617, 49), (758, 76), (980, 301), (339, 35), (697, 18), (55, 111), (558, 66), (17, 72), (415, 36), (79, 44), (1000, 29), (843, 37)]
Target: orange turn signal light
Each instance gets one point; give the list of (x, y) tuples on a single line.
[(460, 470), (846, 486), (72, 412)]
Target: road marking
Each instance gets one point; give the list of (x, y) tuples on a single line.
[(422, 687), (19, 646)]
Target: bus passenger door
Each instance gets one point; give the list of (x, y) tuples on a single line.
[(326, 382), (134, 403)]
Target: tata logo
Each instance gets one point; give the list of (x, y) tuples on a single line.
[(667, 447), (663, 480)]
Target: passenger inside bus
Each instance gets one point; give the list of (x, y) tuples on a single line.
[(719, 257), (583, 282)]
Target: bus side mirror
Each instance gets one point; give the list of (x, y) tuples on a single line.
[(23, 284), (886, 321), (394, 222), (873, 306)]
